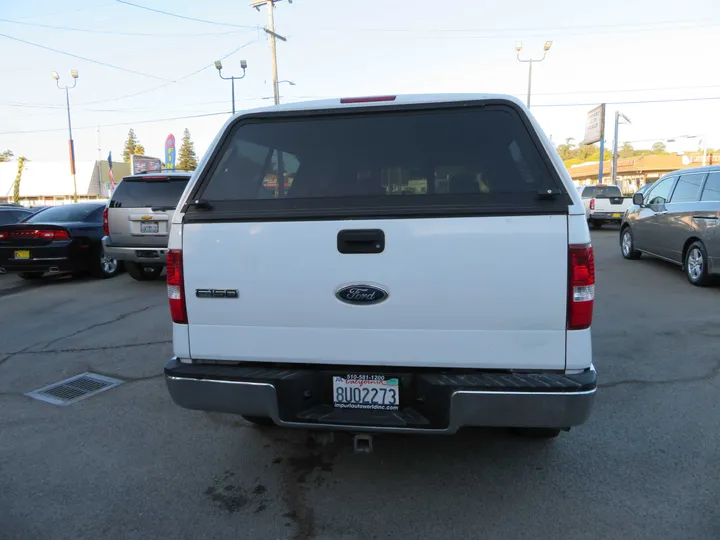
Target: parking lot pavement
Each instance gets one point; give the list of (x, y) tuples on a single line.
[(127, 463)]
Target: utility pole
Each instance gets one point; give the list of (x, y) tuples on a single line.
[(618, 116), (270, 30)]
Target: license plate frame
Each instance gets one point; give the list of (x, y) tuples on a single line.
[(366, 391), (149, 227), (22, 254)]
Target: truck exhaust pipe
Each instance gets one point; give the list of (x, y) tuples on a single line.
[(54, 270)]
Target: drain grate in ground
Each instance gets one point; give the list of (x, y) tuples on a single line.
[(74, 389)]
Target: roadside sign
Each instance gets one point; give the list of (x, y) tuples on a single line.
[(140, 164), (595, 125), (170, 152)]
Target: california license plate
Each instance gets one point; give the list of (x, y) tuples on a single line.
[(617, 215), (22, 254), (357, 391), (149, 227)]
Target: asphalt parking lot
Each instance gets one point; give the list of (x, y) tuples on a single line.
[(127, 463)]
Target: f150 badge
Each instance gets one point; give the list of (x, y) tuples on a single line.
[(216, 293), (361, 294)]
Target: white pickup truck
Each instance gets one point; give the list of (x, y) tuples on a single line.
[(604, 204), (388, 264)]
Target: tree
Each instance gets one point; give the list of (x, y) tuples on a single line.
[(659, 147), (626, 150), (187, 160), (6, 155), (132, 147)]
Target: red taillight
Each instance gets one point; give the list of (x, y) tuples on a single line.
[(370, 99), (592, 204), (581, 286), (106, 225), (45, 234), (175, 288)]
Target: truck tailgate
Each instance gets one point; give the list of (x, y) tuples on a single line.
[(463, 292)]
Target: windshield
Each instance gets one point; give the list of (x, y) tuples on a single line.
[(62, 214), (146, 193), (601, 192)]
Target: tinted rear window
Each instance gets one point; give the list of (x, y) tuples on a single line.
[(601, 192), (71, 212), (133, 193), (392, 159)]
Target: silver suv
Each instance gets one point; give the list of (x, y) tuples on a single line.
[(137, 221)]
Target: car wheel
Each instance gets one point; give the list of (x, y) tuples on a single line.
[(144, 272), (31, 275), (696, 264), (627, 245), (537, 433), (259, 420), (105, 266)]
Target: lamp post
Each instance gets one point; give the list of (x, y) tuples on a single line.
[(531, 61), (243, 65), (71, 143), (618, 116), (702, 143)]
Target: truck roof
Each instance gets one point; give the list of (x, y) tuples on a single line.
[(377, 100)]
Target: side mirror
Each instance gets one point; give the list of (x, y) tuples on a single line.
[(638, 199)]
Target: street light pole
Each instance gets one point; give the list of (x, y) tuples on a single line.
[(243, 65), (71, 143), (618, 116), (531, 61)]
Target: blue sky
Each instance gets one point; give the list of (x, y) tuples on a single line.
[(617, 51)]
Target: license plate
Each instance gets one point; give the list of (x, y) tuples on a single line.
[(22, 254), (149, 227), (617, 215), (366, 392)]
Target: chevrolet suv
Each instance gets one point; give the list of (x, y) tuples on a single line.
[(137, 221)]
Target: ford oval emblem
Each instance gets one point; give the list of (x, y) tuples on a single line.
[(361, 294)]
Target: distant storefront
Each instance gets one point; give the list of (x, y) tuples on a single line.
[(634, 172), (49, 183)]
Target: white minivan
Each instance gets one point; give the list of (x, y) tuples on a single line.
[(385, 264)]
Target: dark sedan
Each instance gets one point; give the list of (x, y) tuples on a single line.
[(12, 214), (57, 239)]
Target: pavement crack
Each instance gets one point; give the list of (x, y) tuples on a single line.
[(714, 372), (98, 325), (90, 349)]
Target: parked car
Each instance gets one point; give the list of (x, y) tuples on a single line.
[(604, 204), (678, 220), (13, 214), (345, 301), (58, 239), (137, 221)]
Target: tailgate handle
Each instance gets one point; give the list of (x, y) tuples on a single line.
[(361, 241)]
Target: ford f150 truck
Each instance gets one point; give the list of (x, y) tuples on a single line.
[(384, 264), (604, 204)]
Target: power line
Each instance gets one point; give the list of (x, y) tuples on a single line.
[(691, 23), (84, 58), (116, 33), (594, 103), (95, 126), (183, 16), (127, 96)]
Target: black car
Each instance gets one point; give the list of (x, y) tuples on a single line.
[(10, 214), (57, 239)]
